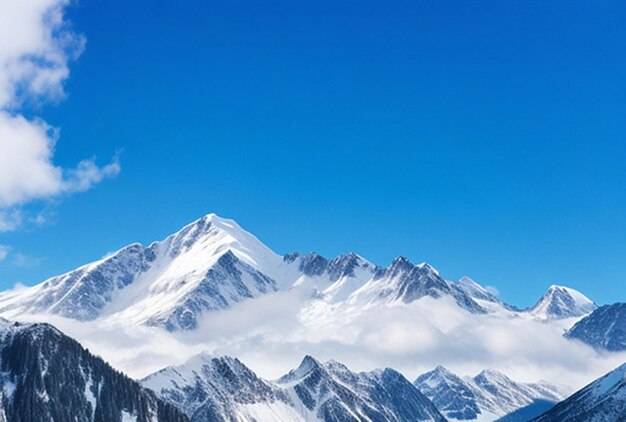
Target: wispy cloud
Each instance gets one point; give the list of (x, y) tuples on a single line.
[(34, 60), (4, 252)]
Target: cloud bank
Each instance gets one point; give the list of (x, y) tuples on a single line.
[(271, 334), (37, 45)]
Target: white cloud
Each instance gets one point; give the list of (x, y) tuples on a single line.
[(4, 252), (34, 63), (271, 335), (36, 45)]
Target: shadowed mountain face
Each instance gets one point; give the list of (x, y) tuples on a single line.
[(48, 376), (331, 392), (604, 328), (219, 389), (212, 388), (604, 400), (487, 396)]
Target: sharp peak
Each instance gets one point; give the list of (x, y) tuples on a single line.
[(312, 255), (404, 261), (442, 369), (438, 370), (491, 374), (561, 288), (205, 357), (554, 287), (215, 219), (309, 360)]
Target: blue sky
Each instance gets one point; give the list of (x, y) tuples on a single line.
[(486, 138)]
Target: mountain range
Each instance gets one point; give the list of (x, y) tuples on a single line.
[(222, 388), (488, 395), (172, 288), (47, 376), (213, 263)]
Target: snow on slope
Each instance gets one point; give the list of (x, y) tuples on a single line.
[(604, 328), (561, 302), (213, 279), (221, 388), (604, 400), (487, 396), (213, 263), (404, 282), (210, 264), (331, 392)]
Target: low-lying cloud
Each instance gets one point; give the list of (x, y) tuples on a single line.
[(272, 334)]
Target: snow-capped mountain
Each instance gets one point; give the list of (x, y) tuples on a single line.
[(333, 279), (212, 264), (405, 282), (331, 392), (223, 389), (604, 328), (454, 397), (489, 395), (208, 265), (604, 400), (47, 376), (562, 302)]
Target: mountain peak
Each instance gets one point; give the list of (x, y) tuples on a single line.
[(562, 302), (438, 375), (427, 267), (492, 375), (308, 365), (212, 235), (442, 370)]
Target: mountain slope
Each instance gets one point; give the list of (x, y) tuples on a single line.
[(223, 389), (452, 395), (604, 328), (208, 265), (487, 396), (220, 388), (604, 400), (404, 282), (561, 302), (47, 376), (331, 392)]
